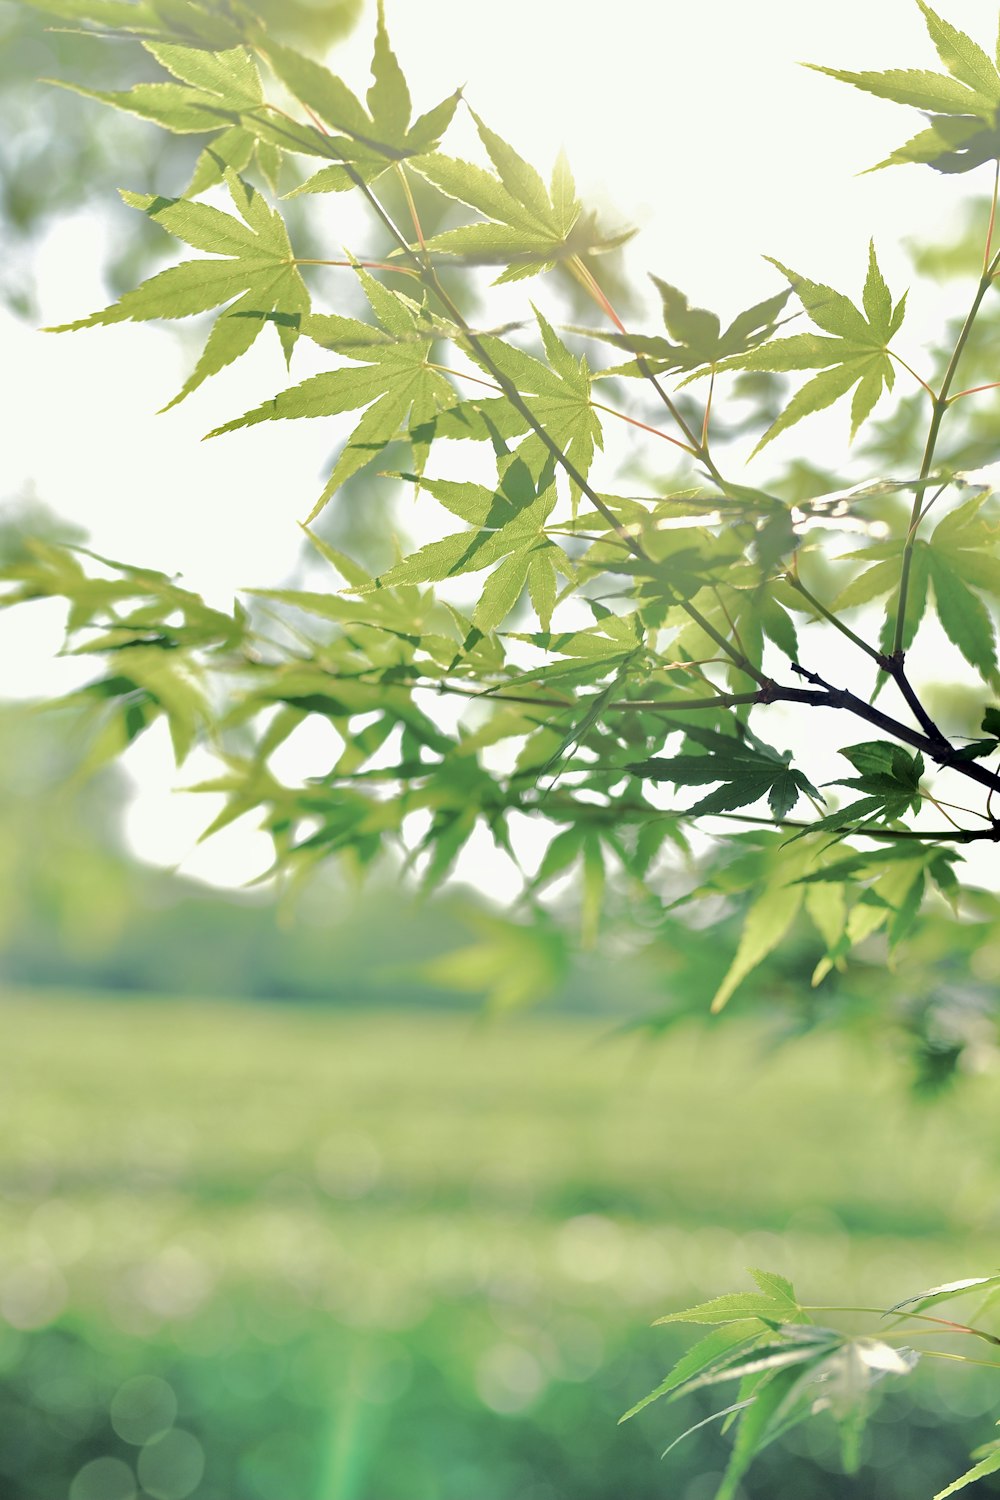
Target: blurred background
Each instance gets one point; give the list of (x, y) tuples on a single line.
[(287, 1214)]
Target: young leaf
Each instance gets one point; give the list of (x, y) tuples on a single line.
[(528, 229), (780, 1288), (397, 386), (855, 355), (722, 1345), (258, 277), (770, 1403), (695, 337), (963, 106), (733, 1308), (944, 1293), (988, 1465), (369, 140)]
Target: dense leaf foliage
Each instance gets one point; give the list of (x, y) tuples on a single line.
[(559, 646)]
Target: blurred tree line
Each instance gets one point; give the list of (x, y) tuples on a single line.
[(76, 910)]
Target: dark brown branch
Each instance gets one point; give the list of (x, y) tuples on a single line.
[(895, 666), (935, 747), (854, 830)]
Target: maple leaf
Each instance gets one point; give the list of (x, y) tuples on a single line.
[(556, 393), (889, 776), (188, 22), (697, 334), (959, 563), (258, 271), (396, 385), (507, 535), (368, 139), (854, 355), (961, 105), (530, 227), (747, 768), (213, 89)]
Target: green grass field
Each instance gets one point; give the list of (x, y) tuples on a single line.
[(415, 1257)]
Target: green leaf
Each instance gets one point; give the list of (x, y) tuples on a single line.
[(559, 399), (529, 229), (988, 1465), (766, 923), (542, 585), (772, 1284), (927, 91), (748, 769), (501, 591), (963, 614), (322, 92), (720, 1346), (831, 310), (231, 76), (696, 335), (259, 265), (877, 297), (233, 148), (769, 1404), (388, 97), (397, 386), (181, 110), (946, 1292), (370, 140), (963, 107), (964, 58), (853, 354), (471, 551), (816, 395), (735, 1307)]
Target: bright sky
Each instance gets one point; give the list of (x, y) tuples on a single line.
[(693, 121)]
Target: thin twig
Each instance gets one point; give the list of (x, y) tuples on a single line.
[(796, 583), (911, 371)]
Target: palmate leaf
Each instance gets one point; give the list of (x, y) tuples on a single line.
[(258, 277), (557, 394), (189, 23), (397, 386), (747, 768), (369, 139), (889, 778), (888, 772), (853, 355), (213, 89), (508, 523), (962, 104), (722, 1346), (959, 563), (787, 1368), (696, 335), (529, 226)]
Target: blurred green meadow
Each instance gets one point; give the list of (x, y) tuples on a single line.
[(254, 1252)]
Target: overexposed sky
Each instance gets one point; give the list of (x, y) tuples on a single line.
[(693, 121)]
